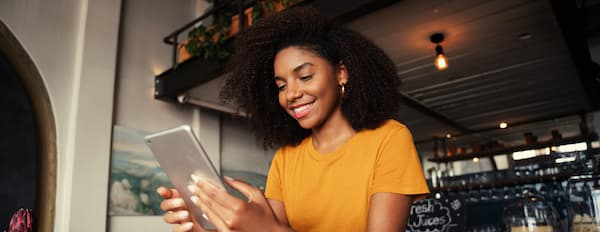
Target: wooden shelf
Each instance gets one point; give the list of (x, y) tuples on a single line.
[(192, 72), (507, 182), (196, 71), (507, 150)]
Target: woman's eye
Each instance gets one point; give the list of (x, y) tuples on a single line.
[(281, 87), (306, 78)]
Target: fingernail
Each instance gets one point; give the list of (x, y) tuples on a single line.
[(192, 188), (228, 178), (177, 202), (195, 178), (187, 226), (195, 199), (183, 214)]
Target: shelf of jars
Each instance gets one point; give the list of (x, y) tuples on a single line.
[(569, 202), (525, 180), (507, 150), (563, 189), (555, 167)]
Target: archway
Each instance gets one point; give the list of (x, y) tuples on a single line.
[(43, 125)]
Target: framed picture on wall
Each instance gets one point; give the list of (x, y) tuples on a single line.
[(134, 175)]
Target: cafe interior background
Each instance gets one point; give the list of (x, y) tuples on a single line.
[(83, 81)]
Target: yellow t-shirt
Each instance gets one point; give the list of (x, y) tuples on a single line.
[(332, 192)]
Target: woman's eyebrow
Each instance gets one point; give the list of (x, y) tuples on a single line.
[(296, 70), (299, 67)]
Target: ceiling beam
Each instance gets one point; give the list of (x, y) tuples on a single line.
[(513, 124), (417, 105), (571, 22)]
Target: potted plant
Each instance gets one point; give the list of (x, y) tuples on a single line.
[(210, 42)]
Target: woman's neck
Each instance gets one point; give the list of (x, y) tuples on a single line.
[(332, 134)]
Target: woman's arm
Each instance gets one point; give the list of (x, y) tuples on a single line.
[(389, 212), (279, 210)]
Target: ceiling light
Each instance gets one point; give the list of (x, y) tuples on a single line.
[(525, 36), (503, 125), (440, 62), (448, 135)]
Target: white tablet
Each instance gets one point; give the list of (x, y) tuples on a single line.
[(180, 154)]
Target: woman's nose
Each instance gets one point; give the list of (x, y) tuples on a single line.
[(293, 92)]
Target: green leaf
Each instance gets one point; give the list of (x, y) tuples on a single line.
[(192, 33), (201, 31), (192, 47), (257, 11), (270, 6)]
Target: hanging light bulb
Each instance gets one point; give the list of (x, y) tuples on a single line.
[(440, 62)]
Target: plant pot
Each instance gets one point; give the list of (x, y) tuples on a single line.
[(183, 54), (235, 22), (233, 29)]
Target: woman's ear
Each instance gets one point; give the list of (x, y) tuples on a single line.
[(342, 74)]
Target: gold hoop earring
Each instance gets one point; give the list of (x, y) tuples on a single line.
[(343, 89)]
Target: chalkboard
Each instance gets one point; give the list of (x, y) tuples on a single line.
[(437, 215)]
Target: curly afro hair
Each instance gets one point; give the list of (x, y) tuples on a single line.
[(371, 93)]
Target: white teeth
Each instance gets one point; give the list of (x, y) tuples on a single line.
[(301, 108)]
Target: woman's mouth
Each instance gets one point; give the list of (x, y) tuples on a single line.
[(302, 111)]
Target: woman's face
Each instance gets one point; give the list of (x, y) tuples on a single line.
[(309, 86)]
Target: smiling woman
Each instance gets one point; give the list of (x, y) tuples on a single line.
[(327, 96)]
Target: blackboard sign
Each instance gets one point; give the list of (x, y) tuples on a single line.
[(437, 215)]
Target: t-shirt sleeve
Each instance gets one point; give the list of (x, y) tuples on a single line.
[(274, 189), (398, 168)]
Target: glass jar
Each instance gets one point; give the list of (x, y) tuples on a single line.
[(530, 213), (584, 202)]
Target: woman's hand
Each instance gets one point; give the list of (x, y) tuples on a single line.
[(229, 213), (177, 211)]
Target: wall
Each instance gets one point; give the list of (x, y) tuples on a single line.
[(143, 55), (241, 157), (73, 44)]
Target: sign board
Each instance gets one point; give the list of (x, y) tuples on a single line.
[(437, 215)]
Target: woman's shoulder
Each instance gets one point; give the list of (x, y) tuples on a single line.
[(387, 130), (391, 126)]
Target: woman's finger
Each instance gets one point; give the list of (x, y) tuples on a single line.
[(172, 204), (167, 193), (184, 227), (212, 216), (219, 197), (177, 217), (253, 194)]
